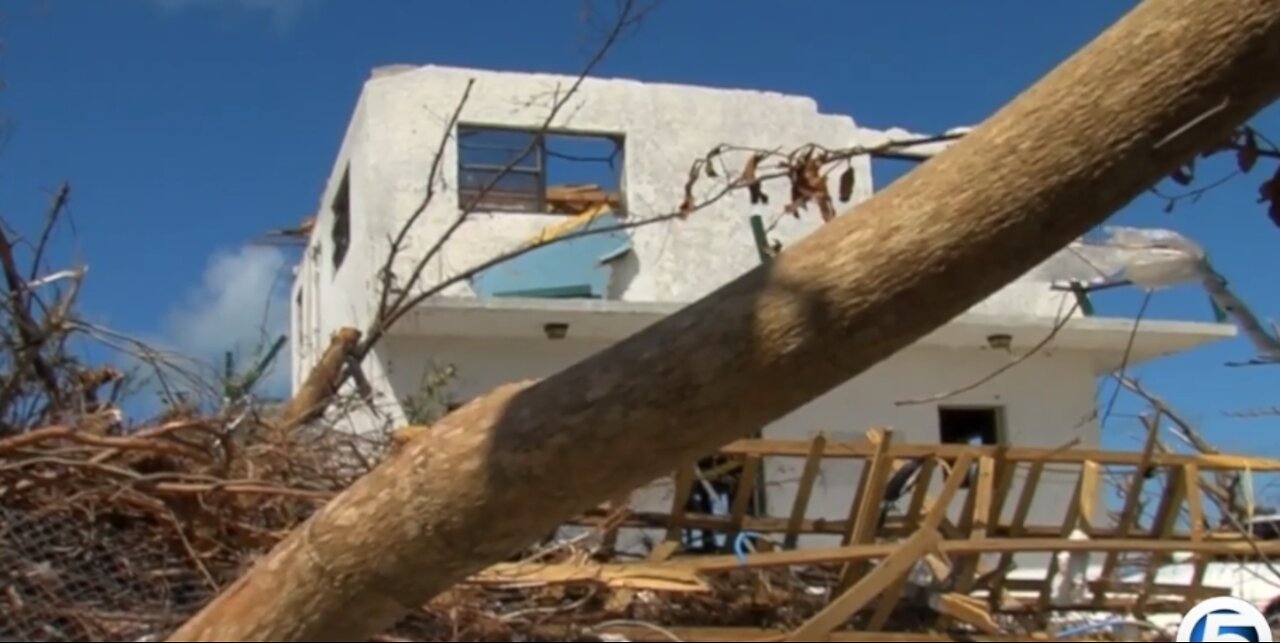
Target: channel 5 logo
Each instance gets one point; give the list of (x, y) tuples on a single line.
[(1224, 619)]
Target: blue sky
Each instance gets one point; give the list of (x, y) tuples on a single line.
[(189, 127)]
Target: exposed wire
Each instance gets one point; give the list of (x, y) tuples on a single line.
[(1053, 333), (1124, 361), (641, 624)]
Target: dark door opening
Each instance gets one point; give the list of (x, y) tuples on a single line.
[(974, 426)]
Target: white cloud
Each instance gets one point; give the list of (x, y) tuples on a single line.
[(241, 305)]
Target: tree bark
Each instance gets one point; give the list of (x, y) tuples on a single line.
[(1168, 80), (313, 397)]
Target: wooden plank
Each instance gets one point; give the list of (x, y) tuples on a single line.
[(754, 635), (628, 576), (1006, 471), (664, 551), (1132, 499), (1018, 527), (800, 449), (1195, 507), (1090, 484), (895, 566), (956, 606), (808, 479), (685, 478), (1130, 588), (836, 555), (742, 499), (976, 521), (893, 595), (612, 525), (896, 527), (1005, 474), (1167, 514), (865, 515)]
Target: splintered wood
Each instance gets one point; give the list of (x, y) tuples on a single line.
[(962, 542)]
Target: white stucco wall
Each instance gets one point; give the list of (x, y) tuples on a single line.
[(398, 125), (665, 128)]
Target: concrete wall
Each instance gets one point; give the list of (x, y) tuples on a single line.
[(1048, 402), (665, 129)]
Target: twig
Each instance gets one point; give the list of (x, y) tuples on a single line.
[(397, 244), (1057, 327), (1124, 361), (59, 203), (73, 434)]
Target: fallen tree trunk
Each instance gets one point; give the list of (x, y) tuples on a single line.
[(1170, 79)]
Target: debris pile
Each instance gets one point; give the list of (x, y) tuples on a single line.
[(120, 538)]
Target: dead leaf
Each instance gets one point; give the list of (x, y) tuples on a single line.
[(753, 165), (1249, 152), (687, 205), (1270, 193), (751, 178), (847, 181)]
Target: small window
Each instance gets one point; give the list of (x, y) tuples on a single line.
[(342, 221), (974, 426), (528, 171)]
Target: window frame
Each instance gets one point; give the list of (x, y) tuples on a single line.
[(538, 141), (541, 141)]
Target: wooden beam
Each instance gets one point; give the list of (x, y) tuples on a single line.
[(974, 522), (865, 514), (968, 610), (1129, 512), (746, 492), (685, 478), (894, 594), (894, 567), (1195, 507), (1167, 514), (840, 555), (755, 635), (837, 450), (1018, 528), (808, 479)]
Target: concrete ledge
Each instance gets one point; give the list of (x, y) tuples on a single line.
[(521, 318)]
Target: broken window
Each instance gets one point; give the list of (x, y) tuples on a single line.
[(973, 426), (342, 220), (531, 171)]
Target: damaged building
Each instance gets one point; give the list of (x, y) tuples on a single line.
[(616, 158)]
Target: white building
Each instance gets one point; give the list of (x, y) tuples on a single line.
[(547, 310)]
